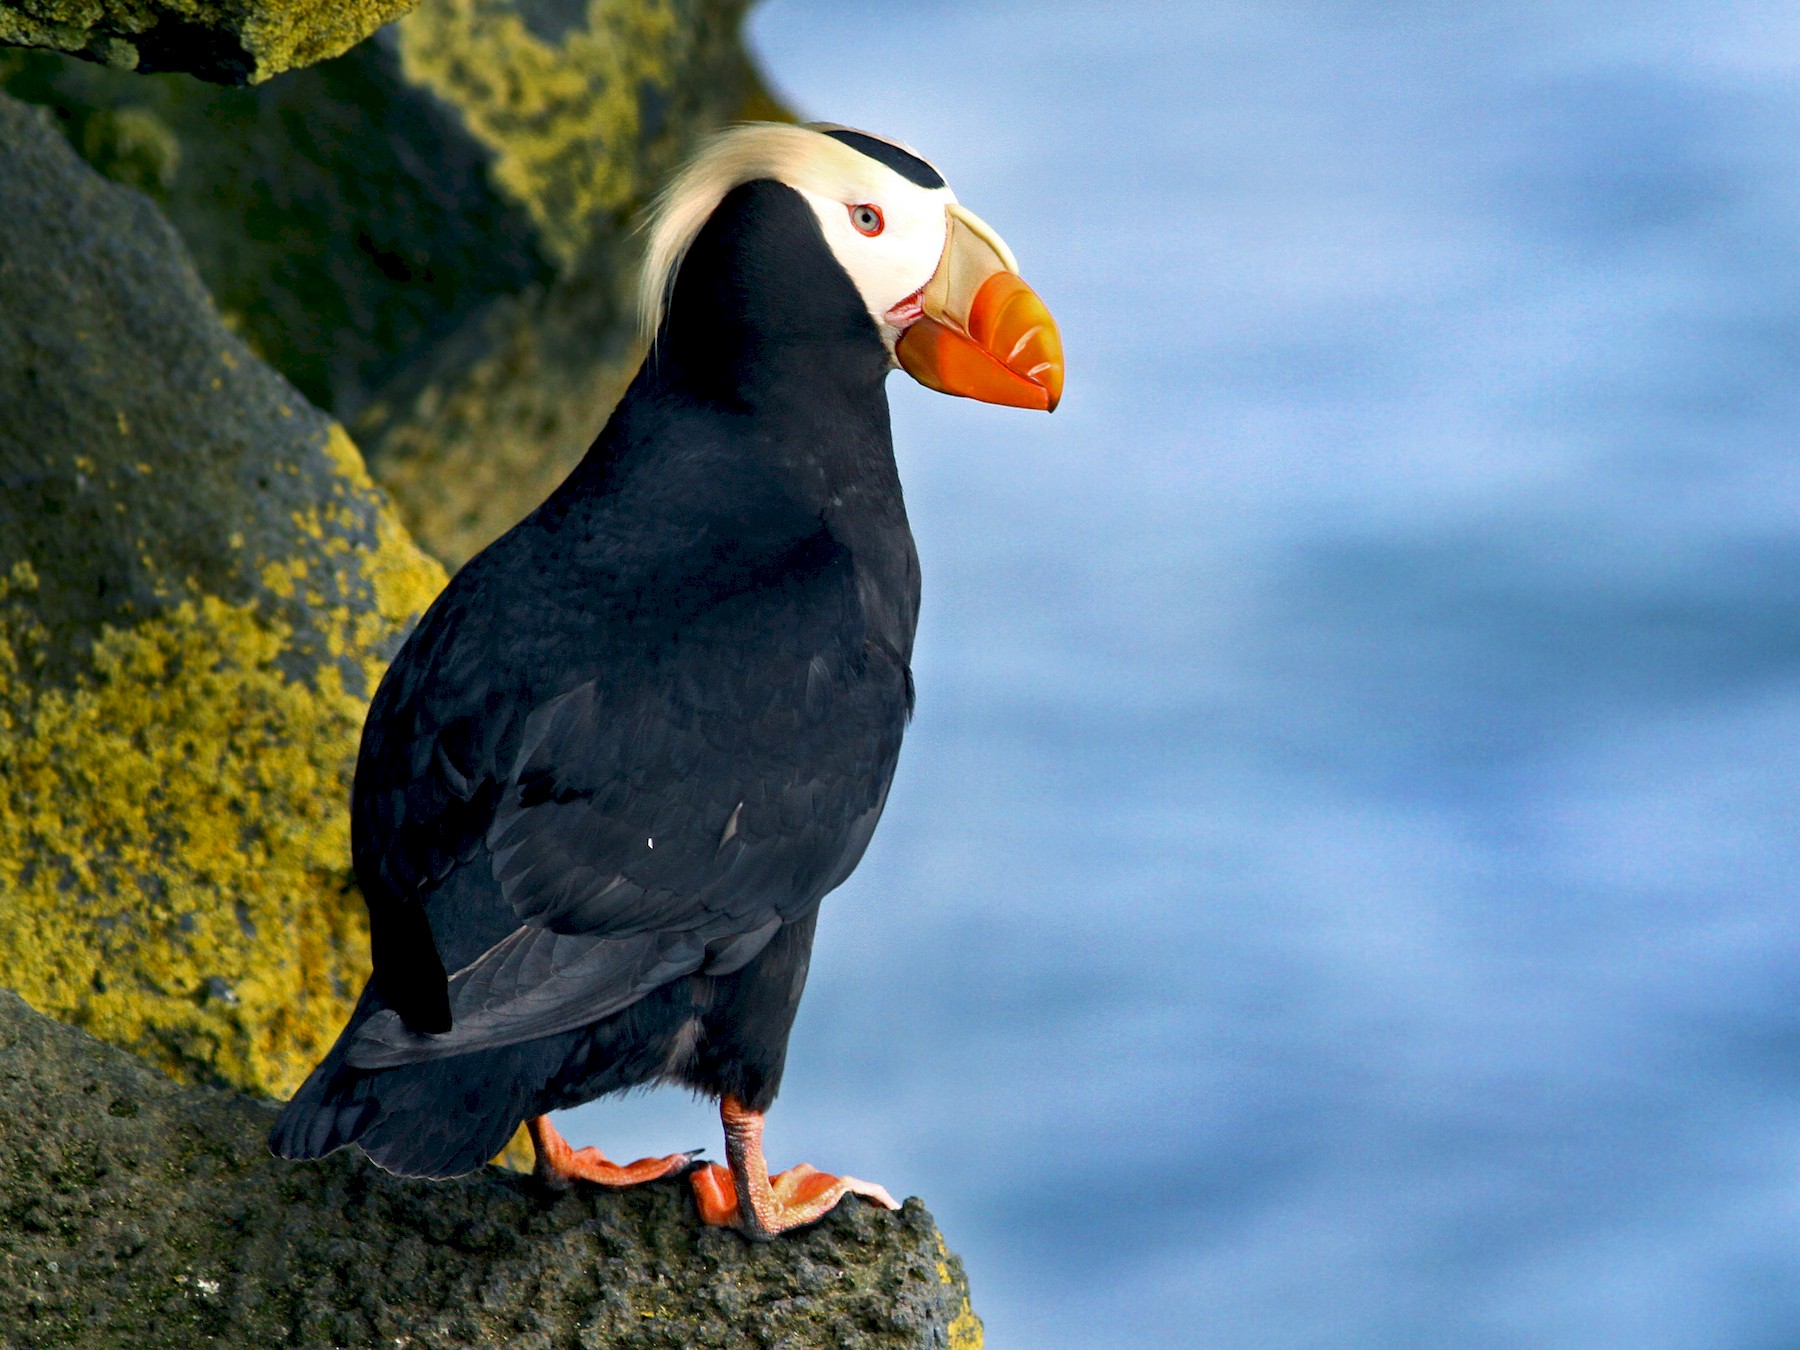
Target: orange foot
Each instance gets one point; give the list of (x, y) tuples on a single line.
[(759, 1206), (558, 1165)]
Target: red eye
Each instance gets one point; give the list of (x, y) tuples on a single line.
[(867, 219)]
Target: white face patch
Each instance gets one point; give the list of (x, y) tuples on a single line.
[(891, 265), (887, 265)]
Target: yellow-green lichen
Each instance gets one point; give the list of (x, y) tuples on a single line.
[(404, 580), (583, 109), (965, 1331), (573, 122), (174, 837), (174, 844), (285, 34), (233, 43), (132, 145)]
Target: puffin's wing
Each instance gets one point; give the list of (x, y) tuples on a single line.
[(670, 820), (429, 776), (534, 983)]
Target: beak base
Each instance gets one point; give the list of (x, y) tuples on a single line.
[(1010, 353)]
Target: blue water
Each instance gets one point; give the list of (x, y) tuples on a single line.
[(1339, 889)]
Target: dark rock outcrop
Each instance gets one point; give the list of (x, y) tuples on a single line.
[(136, 1214), (234, 43)]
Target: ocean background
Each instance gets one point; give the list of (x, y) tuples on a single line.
[(1339, 888)]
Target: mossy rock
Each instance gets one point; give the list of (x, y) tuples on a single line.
[(432, 236), (245, 41), (199, 588), (341, 221), (585, 109), (135, 1214)]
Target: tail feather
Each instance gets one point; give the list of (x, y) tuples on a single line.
[(441, 1118)]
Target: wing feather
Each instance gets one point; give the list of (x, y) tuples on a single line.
[(663, 812)]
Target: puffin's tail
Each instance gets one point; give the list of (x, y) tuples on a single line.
[(437, 1118)]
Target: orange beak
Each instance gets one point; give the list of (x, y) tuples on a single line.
[(984, 333)]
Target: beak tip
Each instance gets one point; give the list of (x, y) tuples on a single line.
[(1007, 352)]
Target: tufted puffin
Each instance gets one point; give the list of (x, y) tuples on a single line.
[(611, 774)]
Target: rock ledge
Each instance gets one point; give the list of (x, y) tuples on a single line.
[(135, 1212)]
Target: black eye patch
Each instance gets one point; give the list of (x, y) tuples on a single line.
[(909, 167)]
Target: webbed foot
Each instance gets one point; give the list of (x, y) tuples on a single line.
[(745, 1197)]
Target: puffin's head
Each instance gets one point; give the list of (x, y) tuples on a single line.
[(941, 287)]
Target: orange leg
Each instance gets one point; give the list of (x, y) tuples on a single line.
[(558, 1164), (759, 1206)]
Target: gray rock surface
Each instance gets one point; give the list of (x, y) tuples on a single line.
[(199, 590), (138, 1213)]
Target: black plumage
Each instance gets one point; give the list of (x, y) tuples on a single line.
[(612, 773)]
